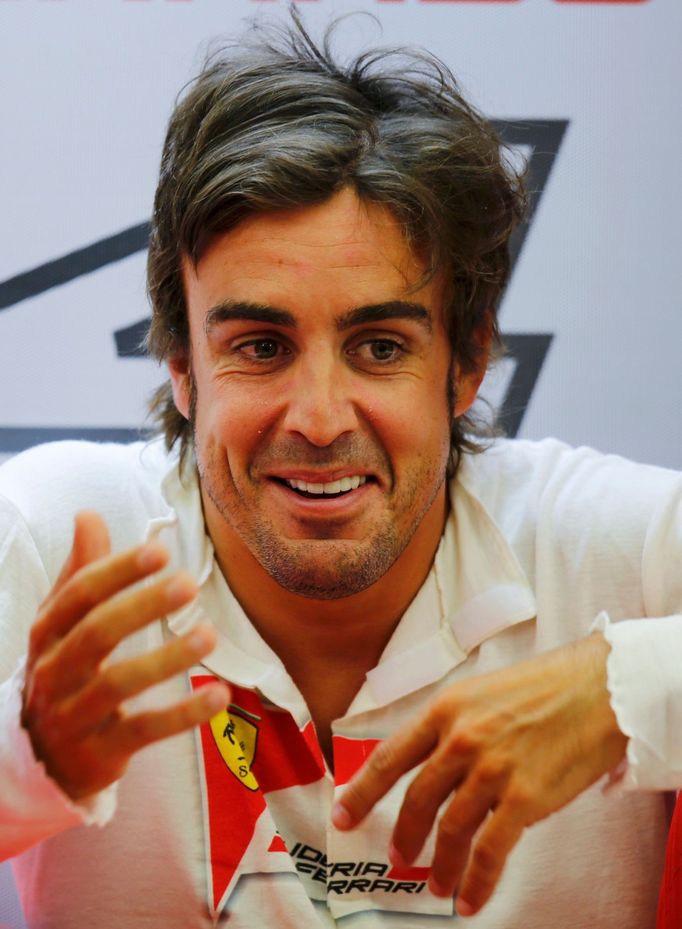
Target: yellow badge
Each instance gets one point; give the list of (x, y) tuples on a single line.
[(236, 739)]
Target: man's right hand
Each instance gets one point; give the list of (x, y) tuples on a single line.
[(73, 698)]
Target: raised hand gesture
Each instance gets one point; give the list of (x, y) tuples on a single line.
[(73, 695)]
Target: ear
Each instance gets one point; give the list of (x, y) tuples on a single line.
[(179, 370), (467, 385)]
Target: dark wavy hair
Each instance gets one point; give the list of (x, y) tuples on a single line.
[(277, 121)]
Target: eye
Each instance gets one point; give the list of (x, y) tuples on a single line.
[(384, 349), (379, 351), (265, 349)]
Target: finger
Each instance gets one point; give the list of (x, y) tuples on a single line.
[(456, 829), (90, 542), (91, 538), (102, 698), (102, 758), (438, 778), (90, 586), (389, 761), (492, 847), (135, 732), (95, 637)]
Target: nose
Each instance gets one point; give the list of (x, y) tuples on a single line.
[(320, 405)]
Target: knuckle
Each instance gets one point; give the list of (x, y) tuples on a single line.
[(99, 631), (518, 797), (485, 861), (489, 772), (416, 802), (110, 686), (435, 712), (441, 712), (36, 637), (460, 742), (383, 759), (37, 689), (186, 653), (49, 730), (449, 831), (194, 712), (138, 729), (82, 590), (170, 664), (184, 716), (86, 636)]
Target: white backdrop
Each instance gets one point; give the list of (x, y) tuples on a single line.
[(590, 90)]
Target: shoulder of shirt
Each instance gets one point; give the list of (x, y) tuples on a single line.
[(47, 485), (517, 480)]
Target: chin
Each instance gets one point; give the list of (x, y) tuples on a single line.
[(340, 571)]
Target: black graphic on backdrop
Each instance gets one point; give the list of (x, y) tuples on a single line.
[(75, 264), (543, 138), (529, 350)]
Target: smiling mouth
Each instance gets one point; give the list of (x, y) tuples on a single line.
[(329, 490)]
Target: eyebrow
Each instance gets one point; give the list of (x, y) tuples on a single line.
[(245, 310), (377, 312), (263, 313)]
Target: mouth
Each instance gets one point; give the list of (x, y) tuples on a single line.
[(328, 490)]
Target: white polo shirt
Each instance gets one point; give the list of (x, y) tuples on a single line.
[(235, 819)]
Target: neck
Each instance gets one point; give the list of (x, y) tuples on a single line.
[(311, 635)]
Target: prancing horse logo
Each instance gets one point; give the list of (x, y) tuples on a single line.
[(236, 738)]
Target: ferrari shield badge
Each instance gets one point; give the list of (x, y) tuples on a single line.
[(236, 738)]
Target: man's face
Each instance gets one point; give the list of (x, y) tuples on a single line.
[(321, 421)]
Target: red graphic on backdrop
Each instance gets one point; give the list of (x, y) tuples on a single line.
[(248, 750)]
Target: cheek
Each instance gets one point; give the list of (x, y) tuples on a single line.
[(234, 416), (413, 424)]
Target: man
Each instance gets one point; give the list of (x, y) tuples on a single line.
[(329, 243)]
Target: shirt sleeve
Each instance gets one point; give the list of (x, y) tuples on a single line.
[(32, 806), (644, 667)]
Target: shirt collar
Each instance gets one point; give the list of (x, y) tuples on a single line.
[(241, 656), (475, 589), (181, 528)]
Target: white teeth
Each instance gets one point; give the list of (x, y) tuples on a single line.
[(333, 487)]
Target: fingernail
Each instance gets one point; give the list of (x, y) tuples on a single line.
[(201, 640), (179, 590), (340, 816), (463, 908), (151, 558), (395, 857)]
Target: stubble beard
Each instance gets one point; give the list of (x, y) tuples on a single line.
[(322, 569), (344, 570)]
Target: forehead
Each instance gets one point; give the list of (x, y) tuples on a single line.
[(344, 252)]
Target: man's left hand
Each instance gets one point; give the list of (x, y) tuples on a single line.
[(504, 750)]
